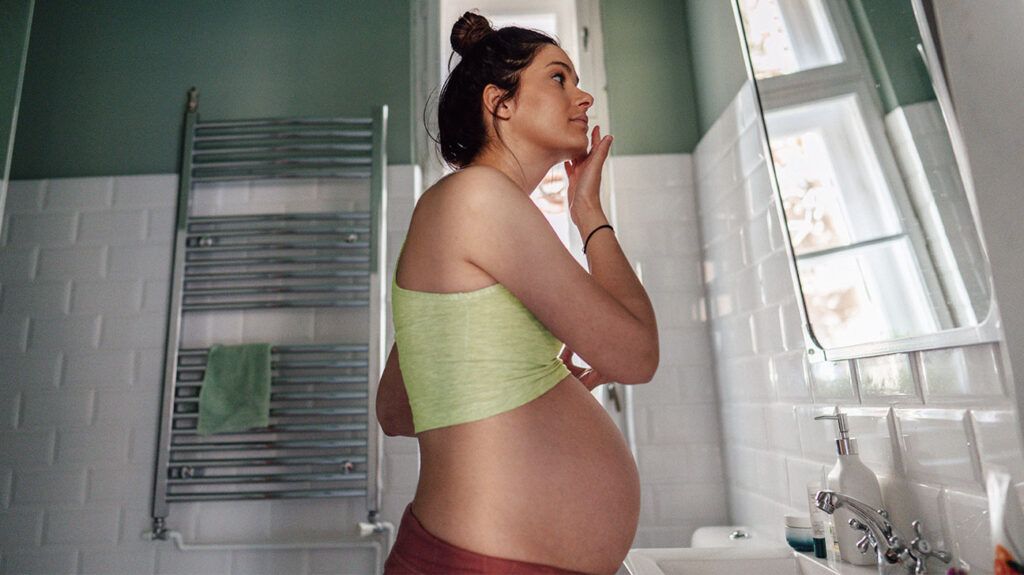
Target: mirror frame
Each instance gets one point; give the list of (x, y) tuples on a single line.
[(989, 330)]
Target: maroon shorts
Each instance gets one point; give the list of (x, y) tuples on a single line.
[(418, 552)]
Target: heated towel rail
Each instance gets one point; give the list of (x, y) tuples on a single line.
[(323, 438)]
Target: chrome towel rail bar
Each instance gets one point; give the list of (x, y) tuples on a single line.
[(322, 440)]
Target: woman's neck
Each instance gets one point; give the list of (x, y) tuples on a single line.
[(527, 173)]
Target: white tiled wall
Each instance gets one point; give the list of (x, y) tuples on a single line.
[(927, 423), (677, 431), (84, 276)]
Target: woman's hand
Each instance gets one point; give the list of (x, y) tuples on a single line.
[(585, 176), (589, 377)]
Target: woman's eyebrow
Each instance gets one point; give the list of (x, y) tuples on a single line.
[(567, 67)]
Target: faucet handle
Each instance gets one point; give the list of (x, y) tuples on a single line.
[(886, 526), (919, 543), (923, 550), (864, 544)]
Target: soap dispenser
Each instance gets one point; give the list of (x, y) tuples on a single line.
[(852, 478)]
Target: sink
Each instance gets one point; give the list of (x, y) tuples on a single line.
[(713, 561), (770, 560)]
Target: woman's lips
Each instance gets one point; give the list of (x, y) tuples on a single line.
[(580, 121)]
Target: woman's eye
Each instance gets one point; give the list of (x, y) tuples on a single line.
[(560, 75)]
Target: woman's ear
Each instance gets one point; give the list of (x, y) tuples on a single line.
[(492, 96)]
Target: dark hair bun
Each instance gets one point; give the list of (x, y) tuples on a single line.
[(469, 30)]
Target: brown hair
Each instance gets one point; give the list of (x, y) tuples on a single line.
[(489, 56)]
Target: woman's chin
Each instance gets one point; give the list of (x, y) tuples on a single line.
[(576, 150)]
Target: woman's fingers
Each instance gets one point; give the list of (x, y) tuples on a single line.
[(602, 149), (566, 357), (584, 172), (589, 379), (566, 353), (592, 379), (598, 145), (587, 376), (582, 160)]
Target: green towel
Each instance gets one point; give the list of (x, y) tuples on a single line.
[(236, 389)]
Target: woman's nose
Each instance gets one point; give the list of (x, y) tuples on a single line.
[(586, 100)]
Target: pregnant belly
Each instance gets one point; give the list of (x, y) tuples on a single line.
[(550, 482)]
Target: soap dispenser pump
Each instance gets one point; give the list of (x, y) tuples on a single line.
[(852, 478)]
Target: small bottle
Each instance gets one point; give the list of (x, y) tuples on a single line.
[(852, 478), (798, 533), (832, 543), (818, 520)]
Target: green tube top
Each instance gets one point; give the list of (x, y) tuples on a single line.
[(466, 356)]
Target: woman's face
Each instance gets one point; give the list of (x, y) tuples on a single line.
[(550, 110)]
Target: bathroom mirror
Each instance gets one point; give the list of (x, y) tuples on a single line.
[(870, 175)]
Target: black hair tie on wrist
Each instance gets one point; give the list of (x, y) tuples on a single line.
[(592, 234)]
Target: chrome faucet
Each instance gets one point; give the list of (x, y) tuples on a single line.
[(894, 556)]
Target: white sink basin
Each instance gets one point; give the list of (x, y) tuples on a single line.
[(734, 560), (713, 561)]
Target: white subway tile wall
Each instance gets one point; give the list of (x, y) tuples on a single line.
[(678, 446), (927, 423), (961, 374), (886, 378), (996, 440), (84, 286)]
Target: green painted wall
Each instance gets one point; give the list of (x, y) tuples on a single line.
[(106, 80), (105, 83), (15, 23), (890, 36), (718, 68), (886, 28), (650, 81)]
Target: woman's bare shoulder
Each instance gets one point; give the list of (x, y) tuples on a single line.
[(470, 183), (471, 195), (457, 196), (446, 223)]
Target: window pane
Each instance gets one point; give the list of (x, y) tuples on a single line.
[(810, 193), (787, 36), (834, 189), (868, 293)]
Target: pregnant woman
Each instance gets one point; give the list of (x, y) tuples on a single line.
[(521, 469)]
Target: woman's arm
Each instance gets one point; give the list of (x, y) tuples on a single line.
[(393, 411), (607, 263)]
